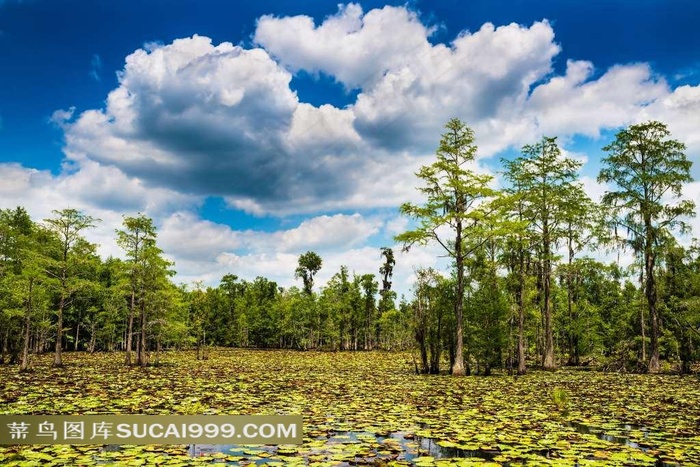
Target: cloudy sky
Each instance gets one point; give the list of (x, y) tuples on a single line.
[(253, 133)]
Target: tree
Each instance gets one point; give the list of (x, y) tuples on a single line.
[(648, 171), (336, 298), (432, 317), (156, 291), (106, 324), (487, 306), (370, 288), (260, 295), (22, 279), (148, 272), (386, 295), (543, 180), (224, 327), (456, 200), (582, 224), (199, 314), (386, 270), (309, 264), (67, 226), (138, 234), (680, 290), (517, 252)]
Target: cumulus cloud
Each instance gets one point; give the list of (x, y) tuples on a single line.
[(357, 49), (681, 111), (216, 120), (576, 104), (101, 192), (192, 119), (187, 236), (205, 250), (60, 117), (207, 119)]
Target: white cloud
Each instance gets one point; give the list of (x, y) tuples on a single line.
[(397, 225), (482, 78), (353, 47), (681, 111), (577, 104), (61, 117), (593, 189), (206, 119), (192, 119), (101, 192), (185, 237), (338, 231)]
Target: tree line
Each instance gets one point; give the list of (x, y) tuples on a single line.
[(57, 294), (521, 291), (517, 264)]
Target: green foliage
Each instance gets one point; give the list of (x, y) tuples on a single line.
[(648, 171), (487, 310), (433, 320), (521, 289), (148, 299), (454, 194), (459, 200), (67, 262), (543, 183), (309, 264), (560, 398)]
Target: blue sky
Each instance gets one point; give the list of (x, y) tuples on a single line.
[(253, 132)]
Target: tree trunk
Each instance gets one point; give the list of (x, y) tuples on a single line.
[(24, 363), (77, 336), (130, 328), (57, 359), (548, 362), (93, 337), (521, 313), (458, 367), (642, 325), (436, 349), (650, 291), (142, 360), (158, 348)]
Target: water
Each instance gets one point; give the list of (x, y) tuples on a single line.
[(625, 439), (399, 446), (338, 447), (612, 438)]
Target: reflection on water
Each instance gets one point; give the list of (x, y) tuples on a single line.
[(612, 438), (395, 446), (337, 447)]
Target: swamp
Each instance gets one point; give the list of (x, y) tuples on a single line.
[(365, 408)]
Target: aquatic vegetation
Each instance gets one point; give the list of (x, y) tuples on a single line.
[(366, 407)]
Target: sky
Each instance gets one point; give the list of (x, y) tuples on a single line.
[(252, 132)]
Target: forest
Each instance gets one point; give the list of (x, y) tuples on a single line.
[(526, 288)]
